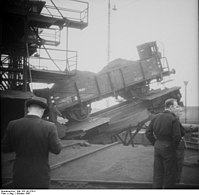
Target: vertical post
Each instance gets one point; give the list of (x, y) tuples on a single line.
[(185, 84), (67, 64), (24, 73), (108, 39), (25, 62), (97, 85)]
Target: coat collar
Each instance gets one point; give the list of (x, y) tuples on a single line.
[(167, 111), (31, 116)]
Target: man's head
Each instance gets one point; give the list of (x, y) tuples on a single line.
[(37, 105), (172, 105)]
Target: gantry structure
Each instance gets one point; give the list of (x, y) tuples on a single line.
[(30, 36), (32, 49)]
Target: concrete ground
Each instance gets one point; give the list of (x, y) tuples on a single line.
[(114, 163), (119, 163), (122, 163)]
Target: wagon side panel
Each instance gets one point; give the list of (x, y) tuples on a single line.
[(88, 89), (132, 74), (104, 83), (65, 96), (150, 68), (117, 79)]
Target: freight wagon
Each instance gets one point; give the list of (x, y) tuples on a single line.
[(128, 79)]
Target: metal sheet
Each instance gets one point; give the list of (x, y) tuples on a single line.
[(88, 124)]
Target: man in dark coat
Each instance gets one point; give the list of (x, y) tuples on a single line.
[(32, 138), (164, 132)]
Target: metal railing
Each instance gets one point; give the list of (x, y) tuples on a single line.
[(71, 10), (55, 60), (50, 36)]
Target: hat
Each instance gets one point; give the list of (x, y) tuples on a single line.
[(38, 101)]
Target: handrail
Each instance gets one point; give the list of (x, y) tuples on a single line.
[(69, 64), (57, 8), (69, 11)]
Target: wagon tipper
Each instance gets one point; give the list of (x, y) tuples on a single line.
[(128, 79)]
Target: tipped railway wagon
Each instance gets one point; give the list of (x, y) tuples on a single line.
[(128, 79)]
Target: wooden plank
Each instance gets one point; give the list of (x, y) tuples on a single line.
[(110, 82), (117, 80), (97, 85), (104, 85), (122, 75)]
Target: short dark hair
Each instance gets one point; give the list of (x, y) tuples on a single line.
[(169, 102)]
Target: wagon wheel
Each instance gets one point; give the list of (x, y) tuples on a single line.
[(78, 113)]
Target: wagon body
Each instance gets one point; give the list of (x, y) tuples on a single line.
[(119, 75)]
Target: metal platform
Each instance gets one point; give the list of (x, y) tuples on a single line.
[(48, 76)]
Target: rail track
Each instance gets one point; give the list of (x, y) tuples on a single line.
[(64, 162), (103, 184)]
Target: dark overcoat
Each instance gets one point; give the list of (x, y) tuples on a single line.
[(31, 138)]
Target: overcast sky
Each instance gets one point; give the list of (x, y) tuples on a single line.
[(172, 23)]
